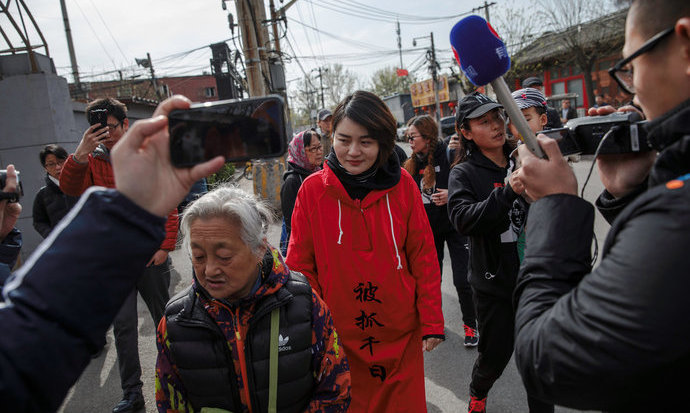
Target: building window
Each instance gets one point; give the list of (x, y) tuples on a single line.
[(576, 86), (210, 92), (557, 88)]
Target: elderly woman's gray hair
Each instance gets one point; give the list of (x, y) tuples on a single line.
[(252, 215)]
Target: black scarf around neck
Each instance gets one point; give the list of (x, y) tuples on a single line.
[(376, 177)]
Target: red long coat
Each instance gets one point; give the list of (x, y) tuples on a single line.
[(374, 263)]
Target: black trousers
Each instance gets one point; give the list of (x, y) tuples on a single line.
[(153, 286), (497, 331), (459, 258)]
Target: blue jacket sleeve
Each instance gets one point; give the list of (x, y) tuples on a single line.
[(56, 309), (9, 251)]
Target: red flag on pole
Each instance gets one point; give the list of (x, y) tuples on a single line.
[(403, 72)]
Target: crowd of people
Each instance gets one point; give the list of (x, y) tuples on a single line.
[(337, 318)]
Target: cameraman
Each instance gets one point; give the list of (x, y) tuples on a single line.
[(10, 237), (56, 309), (617, 337)]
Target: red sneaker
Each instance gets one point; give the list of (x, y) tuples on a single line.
[(477, 405), (471, 336)]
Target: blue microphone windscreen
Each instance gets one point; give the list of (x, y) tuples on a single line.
[(481, 54)]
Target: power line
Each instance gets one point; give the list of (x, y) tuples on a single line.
[(105, 50), (109, 32), (342, 39), (372, 13)]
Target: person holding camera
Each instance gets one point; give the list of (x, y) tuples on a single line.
[(56, 309), (616, 337), (10, 237), (90, 165)]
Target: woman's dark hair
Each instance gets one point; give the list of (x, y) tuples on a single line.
[(428, 128), (368, 110), (113, 106), (466, 146), (52, 149), (308, 134)]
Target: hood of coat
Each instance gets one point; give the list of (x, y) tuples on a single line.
[(274, 275), (477, 158), (670, 127), (294, 169)]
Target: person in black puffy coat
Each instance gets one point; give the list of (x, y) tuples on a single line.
[(51, 204)]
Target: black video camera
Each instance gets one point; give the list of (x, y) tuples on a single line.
[(583, 135), (10, 196)]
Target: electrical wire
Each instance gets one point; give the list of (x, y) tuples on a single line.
[(316, 25), (105, 50), (355, 9), (336, 37), (304, 72), (109, 32)]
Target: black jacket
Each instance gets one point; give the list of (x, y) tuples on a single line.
[(438, 215), (50, 206), (615, 338), (58, 306), (553, 118), (292, 181), (203, 359), (480, 206)]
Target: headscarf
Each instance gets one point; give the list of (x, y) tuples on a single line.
[(298, 155)]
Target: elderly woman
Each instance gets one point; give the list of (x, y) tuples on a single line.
[(248, 335)]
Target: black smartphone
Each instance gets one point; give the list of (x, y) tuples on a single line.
[(98, 116), (238, 130)]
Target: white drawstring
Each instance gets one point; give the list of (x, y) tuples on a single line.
[(340, 217), (395, 244)]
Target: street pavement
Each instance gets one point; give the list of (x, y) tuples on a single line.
[(447, 368)]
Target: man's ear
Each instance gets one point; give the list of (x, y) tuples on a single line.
[(125, 124), (683, 32), (543, 119)]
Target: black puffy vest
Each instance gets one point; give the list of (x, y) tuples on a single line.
[(201, 353)]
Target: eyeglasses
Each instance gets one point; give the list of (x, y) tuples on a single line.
[(622, 72), (314, 149), (113, 127), (52, 165), (410, 138)]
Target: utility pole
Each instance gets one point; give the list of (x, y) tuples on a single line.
[(397, 31), (146, 63), (434, 76), (251, 42), (70, 48), (321, 69)]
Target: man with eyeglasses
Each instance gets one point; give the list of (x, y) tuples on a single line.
[(90, 165), (50, 203), (616, 337)]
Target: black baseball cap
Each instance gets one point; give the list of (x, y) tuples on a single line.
[(473, 106), (532, 81)]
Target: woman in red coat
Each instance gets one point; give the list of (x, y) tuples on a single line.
[(361, 236)]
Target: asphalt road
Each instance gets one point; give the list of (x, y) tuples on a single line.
[(447, 368)]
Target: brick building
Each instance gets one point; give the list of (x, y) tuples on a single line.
[(551, 59), (201, 88)]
